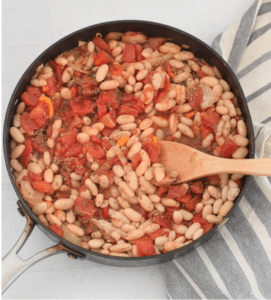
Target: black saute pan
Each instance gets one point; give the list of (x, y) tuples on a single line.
[(12, 265)]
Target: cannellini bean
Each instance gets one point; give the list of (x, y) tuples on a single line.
[(125, 119), (198, 234), (67, 74), (187, 216), (132, 180), (64, 204), (181, 77), (53, 219), (165, 105), (160, 241), (170, 202), (225, 208), (39, 208), (146, 185), (134, 150), (209, 80), (179, 228), (208, 70), (70, 217), (199, 207), (91, 186), (123, 187), (159, 121), (35, 168), (20, 108), (213, 219), (240, 140), (207, 210), (96, 243), (207, 141), (233, 193), (123, 247), (145, 202), (184, 55), (173, 123), (240, 153), (222, 110), (185, 130), (17, 135), (134, 234), (177, 217), (191, 230), (150, 228), (109, 85), (17, 151), (57, 182), (217, 205), (83, 137), (170, 48), (230, 106), (132, 215), (48, 176), (242, 128)]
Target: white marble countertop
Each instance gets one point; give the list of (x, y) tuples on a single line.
[(28, 28)]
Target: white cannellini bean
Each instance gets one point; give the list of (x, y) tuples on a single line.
[(132, 215), (17, 135), (185, 130), (134, 150), (213, 219), (34, 168), (233, 193), (134, 234), (83, 137), (207, 210), (109, 85), (145, 202), (242, 128), (57, 182), (99, 200), (63, 204), (225, 208), (39, 208), (132, 180), (187, 216), (240, 140), (191, 230), (177, 217), (217, 205), (17, 151), (124, 119), (160, 240), (240, 153), (91, 186), (101, 72), (96, 243), (198, 234), (48, 176)]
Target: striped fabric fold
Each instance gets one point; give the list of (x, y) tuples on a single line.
[(236, 262)]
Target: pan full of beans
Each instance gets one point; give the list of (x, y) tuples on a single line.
[(81, 144)]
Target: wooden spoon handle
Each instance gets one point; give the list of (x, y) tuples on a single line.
[(258, 167)]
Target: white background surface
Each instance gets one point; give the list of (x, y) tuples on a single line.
[(28, 28)]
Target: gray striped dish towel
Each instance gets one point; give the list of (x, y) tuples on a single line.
[(236, 262)]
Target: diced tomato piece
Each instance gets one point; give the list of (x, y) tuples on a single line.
[(177, 191), (102, 109), (89, 86), (30, 99), (106, 144), (201, 74), (33, 91), (164, 90), (68, 138), (108, 97), (74, 150), (155, 42), (228, 148), (138, 51), (194, 96), (197, 187), (214, 179), (135, 161), (109, 119), (101, 58), (101, 44), (159, 232), (57, 101), (205, 225), (128, 54), (104, 212), (168, 69), (76, 122), (96, 151), (115, 69), (61, 195), (210, 118), (94, 139), (43, 187), (81, 108), (107, 131), (52, 86), (152, 149), (58, 69), (239, 182), (205, 130), (56, 229), (39, 143), (84, 209), (34, 177), (163, 220), (74, 90), (161, 191), (189, 202), (145, 248), (127, 110), (25, 157)]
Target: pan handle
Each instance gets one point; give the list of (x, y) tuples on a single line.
[(13, 266)]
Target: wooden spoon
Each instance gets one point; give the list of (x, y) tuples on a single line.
[(192, 164)]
